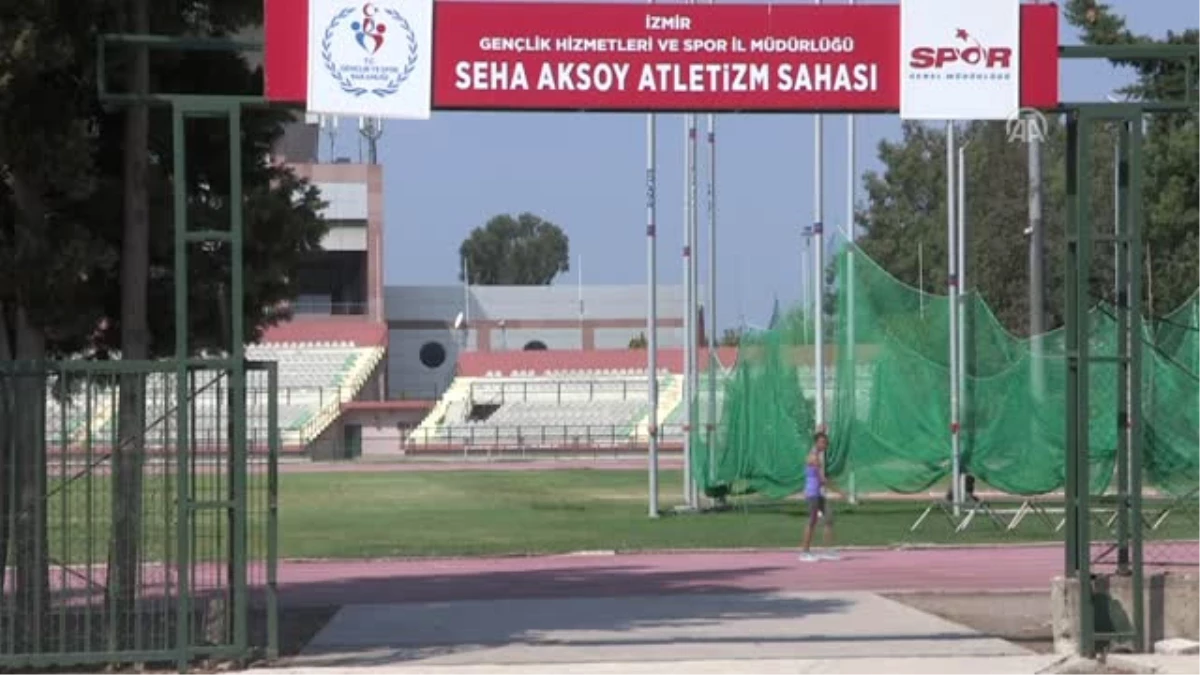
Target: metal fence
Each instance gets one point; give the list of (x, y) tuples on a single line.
[(473, 441), (1167, 531), (133, 530), (557, 391)]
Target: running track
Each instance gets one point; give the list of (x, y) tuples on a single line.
[(980, 569)]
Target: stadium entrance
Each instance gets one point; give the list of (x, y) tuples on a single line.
[(406, 58)]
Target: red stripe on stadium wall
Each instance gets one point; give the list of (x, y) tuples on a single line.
[(776, 58)]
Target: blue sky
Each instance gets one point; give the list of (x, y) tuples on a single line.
[(585, 172)]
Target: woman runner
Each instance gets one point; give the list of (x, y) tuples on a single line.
[(814, 493)]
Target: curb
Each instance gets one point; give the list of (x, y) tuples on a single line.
[(629, 553)]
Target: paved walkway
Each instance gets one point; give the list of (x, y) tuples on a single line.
[(641, 629), (1027, 664), (687, 612)]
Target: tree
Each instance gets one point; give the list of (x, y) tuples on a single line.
[(638, 341), (44, 166), (906, 202), (1172, 170), (521, 251), (71, 207), (906, 211)]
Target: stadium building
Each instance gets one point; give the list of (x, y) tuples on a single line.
[(369, 370)]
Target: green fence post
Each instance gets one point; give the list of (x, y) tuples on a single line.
[(1071, 343), (1077, 488), (183, 504), (1081, 279), (1137, 430), (272, 509), (238, 380)]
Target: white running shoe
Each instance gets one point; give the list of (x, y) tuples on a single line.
[(808, 557), (830, 554)]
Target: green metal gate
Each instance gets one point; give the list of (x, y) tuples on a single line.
[(204, 537)]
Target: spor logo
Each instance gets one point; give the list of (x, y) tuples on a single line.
[(966, 58), (362, 56)]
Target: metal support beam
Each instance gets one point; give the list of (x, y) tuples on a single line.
[(1125, 321), (1127, 239), (1134, 209), (1079, 256)]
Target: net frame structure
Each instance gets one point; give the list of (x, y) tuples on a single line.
[(1098, 446)]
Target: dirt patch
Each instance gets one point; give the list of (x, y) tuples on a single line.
[(1020, 618)]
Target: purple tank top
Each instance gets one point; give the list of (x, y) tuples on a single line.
[(812, 480)]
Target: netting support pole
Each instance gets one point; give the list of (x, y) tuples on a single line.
[(652, 309), (964, 308), (952, 282), (818, 271), (689, 328), (711, 427), (693, 279), (850, 341)]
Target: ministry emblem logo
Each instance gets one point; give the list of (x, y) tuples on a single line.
[(369, 50)]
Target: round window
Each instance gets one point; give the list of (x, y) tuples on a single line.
[(432, 355)]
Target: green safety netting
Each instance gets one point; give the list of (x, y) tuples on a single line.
[(888, 397)]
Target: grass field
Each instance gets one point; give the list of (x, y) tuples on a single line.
[(400, 514), (474, 513)]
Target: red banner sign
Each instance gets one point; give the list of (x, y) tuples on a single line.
[(731, 57)]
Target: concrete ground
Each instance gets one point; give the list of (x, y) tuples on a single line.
[(993, 665), (891, 611), (814, 626), (1007, 665)]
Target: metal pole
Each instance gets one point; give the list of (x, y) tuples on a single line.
[(1125, 322), (851, 341), (688, 327), (693, 279), (921, 276), (652, 308), (712, 295), (1037, 246), (1117, 214), (964, 307), (1134, 209), (952, 275), (466, 304), (805, 306), (818, 271), (579, 295)]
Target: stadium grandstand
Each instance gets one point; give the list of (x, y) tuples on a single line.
[(558, 401), (388, 372)]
